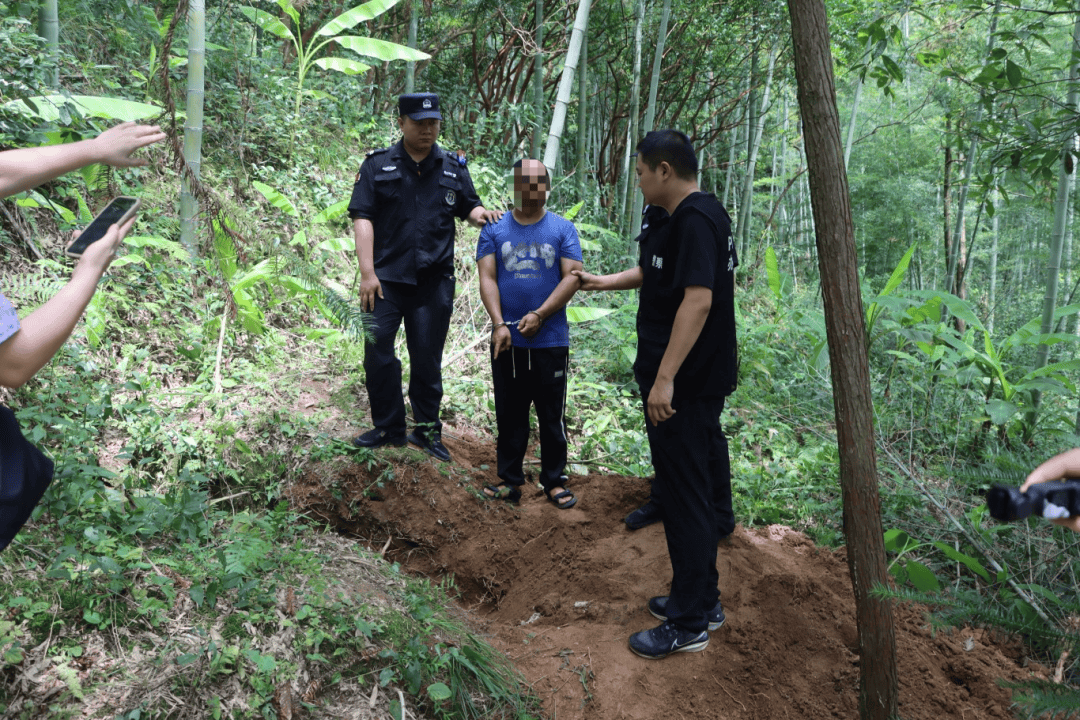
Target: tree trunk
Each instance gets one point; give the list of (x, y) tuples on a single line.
[(955, 261), (992, 293), (566, 84), (538, 80), (410, 67), (845, 330), (1066, 180), (851, 122), (755, 131), (49, 28), (650, 108), (629, 222), (583, 116), (193, 125)]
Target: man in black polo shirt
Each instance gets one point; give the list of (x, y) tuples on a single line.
[(403, 207), (686, 365)]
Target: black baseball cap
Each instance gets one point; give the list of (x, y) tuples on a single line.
[(419, 106)]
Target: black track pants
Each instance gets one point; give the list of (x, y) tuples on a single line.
[(522, 377)]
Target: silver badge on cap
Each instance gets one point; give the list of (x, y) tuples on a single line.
[(427, 104)]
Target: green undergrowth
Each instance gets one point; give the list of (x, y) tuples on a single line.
[(165, 574)]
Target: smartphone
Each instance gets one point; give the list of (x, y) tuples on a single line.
[(118, 211)]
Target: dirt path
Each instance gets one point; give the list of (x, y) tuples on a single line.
[(561, 591)]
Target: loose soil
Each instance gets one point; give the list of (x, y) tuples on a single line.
[(560, 591)]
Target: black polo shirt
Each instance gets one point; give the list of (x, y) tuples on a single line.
[(691, 247), (412, 207)]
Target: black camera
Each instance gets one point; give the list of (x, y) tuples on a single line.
[(1050, 500)]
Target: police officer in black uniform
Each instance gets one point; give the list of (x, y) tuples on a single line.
[(404, 204), (686, 365)]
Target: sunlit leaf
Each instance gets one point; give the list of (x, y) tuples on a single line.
[(381, 49)]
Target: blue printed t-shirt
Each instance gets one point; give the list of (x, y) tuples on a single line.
[(9, 319), (528, 268)]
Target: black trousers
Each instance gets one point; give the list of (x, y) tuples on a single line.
[(693, 487), (522, 377), (425, 308), (720, 460)]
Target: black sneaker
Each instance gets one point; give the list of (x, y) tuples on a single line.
[(658, 605), (647, 514), (431, 442), (379, 437), (666, 639)]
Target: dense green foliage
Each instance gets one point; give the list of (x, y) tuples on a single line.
[(170, 414)]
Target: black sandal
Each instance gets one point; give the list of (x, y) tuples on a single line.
[(506, 493), (554, 499)]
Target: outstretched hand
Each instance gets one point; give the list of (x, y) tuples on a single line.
[(116, 145), (588, 280)]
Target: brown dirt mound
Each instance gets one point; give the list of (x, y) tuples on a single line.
[(561, 591)]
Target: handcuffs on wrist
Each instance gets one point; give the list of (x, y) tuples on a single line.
[(508, 323)]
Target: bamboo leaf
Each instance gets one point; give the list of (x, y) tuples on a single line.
[(1014, 73), (772, 270), (275, 198)]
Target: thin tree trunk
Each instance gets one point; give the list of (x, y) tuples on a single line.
[(756, 131), (946, 193), (410, 67), (845, 330), (632, 132), (566, 84), (538, 80), (992, 293), (654, 82), (583, 114), (49, 28), (193, 125), (1066, 180), (851, 122), (973, 150)]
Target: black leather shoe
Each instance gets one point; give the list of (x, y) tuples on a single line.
[(379, 437), (647, 514), (431, 442)]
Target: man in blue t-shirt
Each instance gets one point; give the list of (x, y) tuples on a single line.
[(525, 263)]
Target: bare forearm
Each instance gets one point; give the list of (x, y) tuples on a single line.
[(489, 295), (44, 331), (689, 320), (625, 280), (365, 245), (559, 296), (24, 168)]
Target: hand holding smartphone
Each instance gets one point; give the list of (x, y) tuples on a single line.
[(117, 212)]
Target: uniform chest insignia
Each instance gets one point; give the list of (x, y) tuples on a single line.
[(451, 196), (447, 173), (658, 262), (388, 168)]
